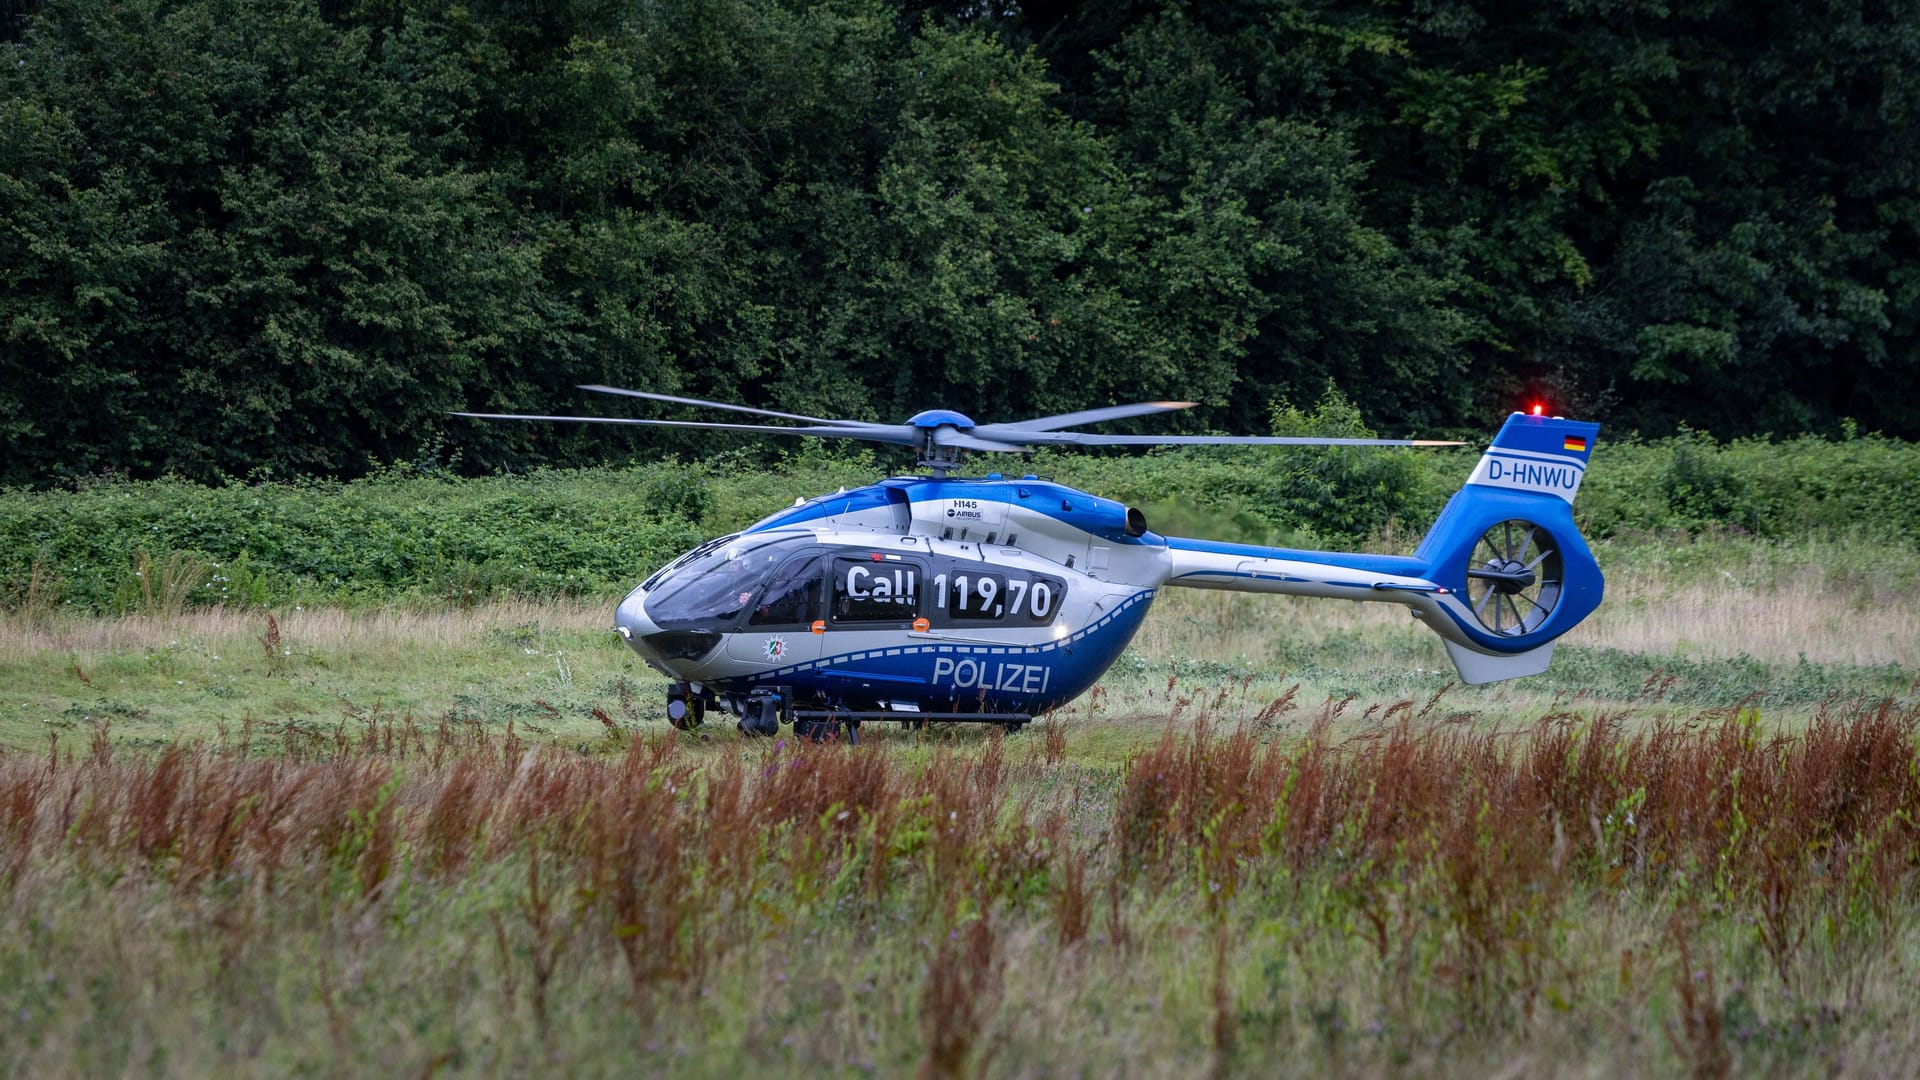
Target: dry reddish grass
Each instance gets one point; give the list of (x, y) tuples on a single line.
[(1568, 794), (1430, 838)]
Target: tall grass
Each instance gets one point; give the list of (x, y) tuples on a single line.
[(424, 538), (558, 674), (1647, 894)]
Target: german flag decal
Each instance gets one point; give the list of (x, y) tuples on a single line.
[(1574, 442)]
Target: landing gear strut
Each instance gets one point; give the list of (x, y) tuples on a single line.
[(765, 711), (685, 710)]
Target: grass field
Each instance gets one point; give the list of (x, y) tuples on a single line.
[(1685, 626), (1275, 840)]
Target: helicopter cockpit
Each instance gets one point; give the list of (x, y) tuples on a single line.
[(713, 584), (779, 582)]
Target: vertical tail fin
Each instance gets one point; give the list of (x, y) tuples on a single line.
[(1516, 572), (1539, 454)]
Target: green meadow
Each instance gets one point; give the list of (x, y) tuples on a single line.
[(258, 820)]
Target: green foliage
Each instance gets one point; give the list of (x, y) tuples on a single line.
[(1869, 486), (153, 546), (1299, 497), (1670, 215), (264, 239), (1864, 486), (681, 494), (408, 534), (1348, 494), (243, 238)]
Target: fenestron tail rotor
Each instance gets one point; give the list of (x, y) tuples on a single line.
[(1514, 577)]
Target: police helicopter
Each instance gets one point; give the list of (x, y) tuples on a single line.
[(936, 597)]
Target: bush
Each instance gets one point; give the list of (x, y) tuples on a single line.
[(1777, 490), (408, 536), (1297, 496), (116, 546)]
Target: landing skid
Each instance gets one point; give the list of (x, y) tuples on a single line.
[(819, 724), (922, 717), (763, 712)]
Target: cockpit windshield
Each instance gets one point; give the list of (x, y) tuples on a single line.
[(717, 584)]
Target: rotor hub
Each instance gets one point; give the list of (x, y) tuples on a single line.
[(939, 418), (1514, 577), (1509, 577)]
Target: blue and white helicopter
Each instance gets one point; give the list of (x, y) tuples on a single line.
[(939, 598)]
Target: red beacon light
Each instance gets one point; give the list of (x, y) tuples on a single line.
[(1538, 408)]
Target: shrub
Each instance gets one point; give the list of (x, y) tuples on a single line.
[(408, 536)]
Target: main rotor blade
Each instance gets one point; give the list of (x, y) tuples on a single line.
[(970, 440), (895, 433), (1086, 416), (678, 400), (1079, 438)]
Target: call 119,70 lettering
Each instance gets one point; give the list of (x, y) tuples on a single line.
[(978, 595)]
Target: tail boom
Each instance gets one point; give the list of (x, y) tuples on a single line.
[(1202, 564), (1502, 574)]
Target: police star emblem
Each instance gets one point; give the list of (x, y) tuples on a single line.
[(776, 647)]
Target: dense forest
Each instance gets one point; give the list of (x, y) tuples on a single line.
[(273, 238)]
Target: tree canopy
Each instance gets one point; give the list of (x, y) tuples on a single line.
[(263, 237)]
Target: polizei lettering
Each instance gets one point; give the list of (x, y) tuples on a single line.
[(967, 674)]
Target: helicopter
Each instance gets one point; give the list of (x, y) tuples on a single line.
[(934, 597)]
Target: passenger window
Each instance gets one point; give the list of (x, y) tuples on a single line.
[(876, 589), (792, 597)]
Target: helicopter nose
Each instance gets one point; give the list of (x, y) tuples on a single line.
[(631, 623)]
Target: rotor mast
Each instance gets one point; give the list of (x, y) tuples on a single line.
[(940, 460), (942, 437)]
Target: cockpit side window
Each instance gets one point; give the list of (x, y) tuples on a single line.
[(792, 597)]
